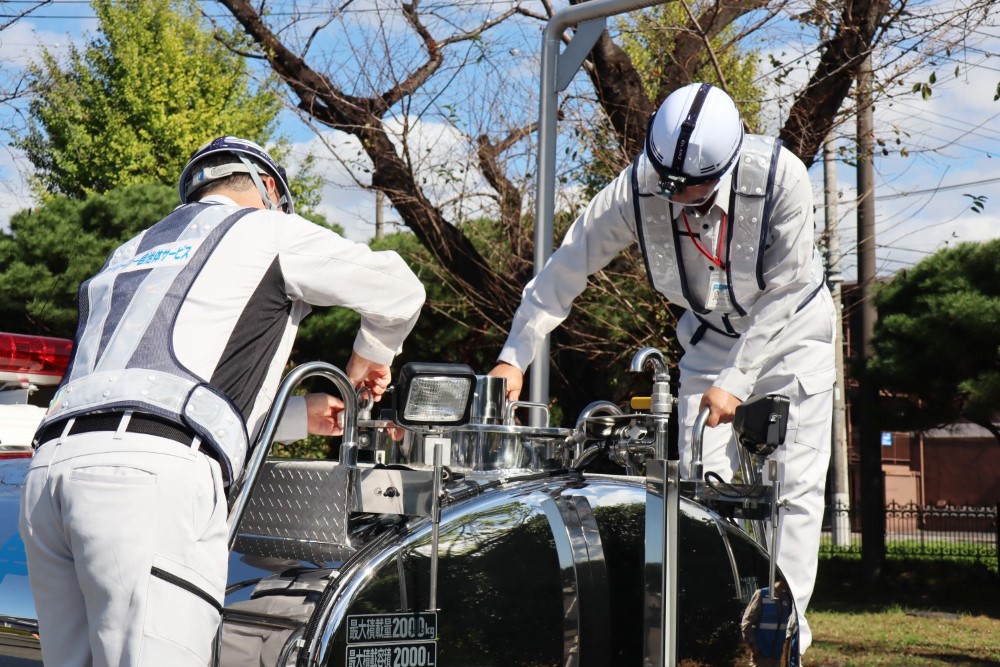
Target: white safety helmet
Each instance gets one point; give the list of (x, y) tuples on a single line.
[(248, 158), (693, 138)]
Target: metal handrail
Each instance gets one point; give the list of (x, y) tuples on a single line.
[(697, 446), (243, 488)]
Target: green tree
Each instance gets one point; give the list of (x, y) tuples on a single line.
[(453, 64), (937, 340), (650, 38), (123, 113), (137, 100), (50, 250)]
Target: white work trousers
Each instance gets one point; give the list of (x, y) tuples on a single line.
[(126, 544), (802, 368)]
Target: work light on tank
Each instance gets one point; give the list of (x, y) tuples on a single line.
[(434, 394)]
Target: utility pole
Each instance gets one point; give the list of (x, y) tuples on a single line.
[(872, 483), (379, 224), (841, 495)]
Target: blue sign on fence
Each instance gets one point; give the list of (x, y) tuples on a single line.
[(886, 439)]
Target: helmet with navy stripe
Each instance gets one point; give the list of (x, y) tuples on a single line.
[(693, 138), (247, 158)]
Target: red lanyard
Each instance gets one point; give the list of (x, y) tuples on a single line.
[(717, 259)]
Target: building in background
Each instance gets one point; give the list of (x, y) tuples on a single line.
[(954, 466)]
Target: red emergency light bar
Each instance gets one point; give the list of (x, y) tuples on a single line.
[(35, 360)]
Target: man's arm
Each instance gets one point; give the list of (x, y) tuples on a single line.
[(324, 414), (721, 406), (321, 413), (322, 268), (604, 229), (316, 414)]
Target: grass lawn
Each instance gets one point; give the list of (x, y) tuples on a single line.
[(927, 614)]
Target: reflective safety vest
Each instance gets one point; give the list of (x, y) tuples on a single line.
[(123, 357), (750, 205)]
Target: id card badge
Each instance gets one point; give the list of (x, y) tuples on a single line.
[(718, 293)]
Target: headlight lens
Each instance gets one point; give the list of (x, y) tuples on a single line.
[(433, 395), (437, 399)]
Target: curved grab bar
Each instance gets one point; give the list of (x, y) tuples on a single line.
[(579, 435), (240, 493), (698, 435)]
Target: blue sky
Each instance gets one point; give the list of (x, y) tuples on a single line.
[(923, 202)]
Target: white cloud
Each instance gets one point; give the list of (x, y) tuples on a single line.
[(23, 42), (924, 199), (14, 193), (342, 200), (442, 159), (952, 146)]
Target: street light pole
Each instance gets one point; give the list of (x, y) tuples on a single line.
[(557, 72)]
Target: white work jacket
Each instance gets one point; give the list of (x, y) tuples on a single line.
[(194, 319), (790, 267)]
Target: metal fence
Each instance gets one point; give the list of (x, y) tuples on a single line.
[(915, 531)]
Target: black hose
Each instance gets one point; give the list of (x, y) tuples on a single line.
[(723, 488)]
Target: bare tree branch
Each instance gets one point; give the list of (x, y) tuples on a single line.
[(363, 118), (812, 115), (422, 73), (24, 14), (510, 199)]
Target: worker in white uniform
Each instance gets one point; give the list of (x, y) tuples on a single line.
[(182, 340), (724, 221)]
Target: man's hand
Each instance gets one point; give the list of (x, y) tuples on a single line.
[(324, 414), (366, 373), (514, 377), (721, 405)]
